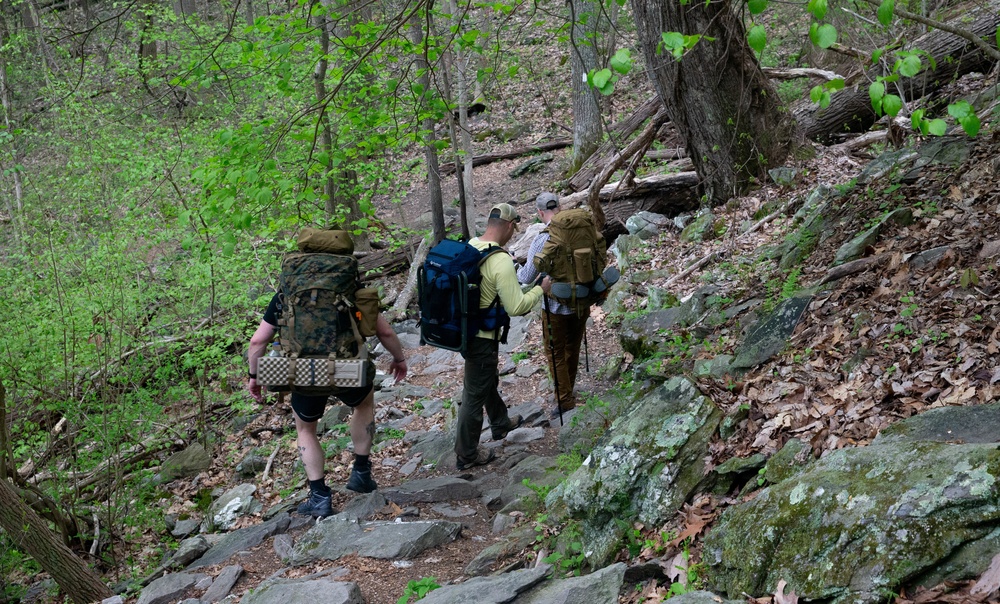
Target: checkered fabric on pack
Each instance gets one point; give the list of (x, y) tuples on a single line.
[(311, 372)]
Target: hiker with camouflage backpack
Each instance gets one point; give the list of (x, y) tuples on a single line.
[(482, 376), (345, 324)]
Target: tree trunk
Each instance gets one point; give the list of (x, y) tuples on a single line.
[(7, 100), (28, 532), (721, 103), (585, 18), (463, 208), (430, 150), (459, 63), (147, 45), (341, 186), (850, 110)]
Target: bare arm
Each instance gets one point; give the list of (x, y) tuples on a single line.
[(258, 344), (387, 336)]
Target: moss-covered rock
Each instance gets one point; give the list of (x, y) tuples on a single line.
[(644, 467), (702, 228), (859, 522)]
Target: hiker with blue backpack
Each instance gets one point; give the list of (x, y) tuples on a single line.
[(500, 297), (322, 316), (562, 325)]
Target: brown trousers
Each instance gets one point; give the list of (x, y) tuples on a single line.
[(563, 354)]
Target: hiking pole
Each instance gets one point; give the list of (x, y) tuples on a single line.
[(552, 351), (586, 349)]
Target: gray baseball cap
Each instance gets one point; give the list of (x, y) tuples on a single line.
[(547, 201)]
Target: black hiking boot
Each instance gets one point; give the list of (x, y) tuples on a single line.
[(317, 506), (361, 481)]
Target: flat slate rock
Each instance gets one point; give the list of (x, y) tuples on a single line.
[(979, 424), (770, 336), (363, 507), (305, 592), (190, 549), (432, 490), (338, 536), (599, 587), (223, 584), (169, 588), (188, 462), (240, 540), (498, 589)]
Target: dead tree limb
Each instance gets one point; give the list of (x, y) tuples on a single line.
[(481, 160), (850, 109), (962, 32), (659, 184), (406, 294), (619, 132), (639, 144), (793, 73), (853, 268)]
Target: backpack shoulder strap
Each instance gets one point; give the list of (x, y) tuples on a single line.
[(485, 254)]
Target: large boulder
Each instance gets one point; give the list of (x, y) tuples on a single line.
[(644, 467), (860, 522)]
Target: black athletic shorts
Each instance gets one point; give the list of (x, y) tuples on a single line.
[(310, 407)]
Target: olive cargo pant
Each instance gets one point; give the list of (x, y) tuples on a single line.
[(482, 376)]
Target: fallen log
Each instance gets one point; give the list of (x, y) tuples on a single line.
[(676, 186), (386, 262), (481, 160), (850, 109)]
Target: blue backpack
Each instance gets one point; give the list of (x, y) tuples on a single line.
[(448, 288)]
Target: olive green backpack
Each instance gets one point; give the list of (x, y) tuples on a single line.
[(575, 254)]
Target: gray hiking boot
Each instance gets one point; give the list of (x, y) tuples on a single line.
[(515, 422)]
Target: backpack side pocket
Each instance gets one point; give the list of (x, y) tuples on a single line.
[(366, 300)]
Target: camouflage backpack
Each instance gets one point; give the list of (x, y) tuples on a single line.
[(318, 326)]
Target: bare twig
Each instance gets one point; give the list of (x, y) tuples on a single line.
[(270, 460)]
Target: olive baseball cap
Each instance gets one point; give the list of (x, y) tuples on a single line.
[(504, 211), (547, 201)]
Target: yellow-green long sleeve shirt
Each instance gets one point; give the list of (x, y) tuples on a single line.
[(499, 277)]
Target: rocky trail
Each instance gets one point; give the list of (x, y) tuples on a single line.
[(454, 514), (733, 370)]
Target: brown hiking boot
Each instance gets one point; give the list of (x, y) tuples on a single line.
[(483, 457), (515, 421)]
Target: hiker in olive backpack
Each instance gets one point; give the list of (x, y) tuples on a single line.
[(562, 326), (482, 376), (309, 409)]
